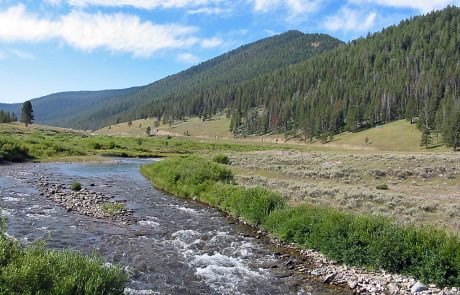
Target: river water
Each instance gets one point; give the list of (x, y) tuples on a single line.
[(175, 247)]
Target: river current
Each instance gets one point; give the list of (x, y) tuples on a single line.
[(175, 247)]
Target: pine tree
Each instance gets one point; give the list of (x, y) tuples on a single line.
[(27, 113), (426, 138)]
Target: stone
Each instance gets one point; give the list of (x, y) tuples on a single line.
[(352, 284), (418, 287), (329, 278), (393, 288)]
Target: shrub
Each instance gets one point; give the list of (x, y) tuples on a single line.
[(96, 146), (112, 208), (221, 159), (76, 186), (382, 186), (13, 151), (36, 270)]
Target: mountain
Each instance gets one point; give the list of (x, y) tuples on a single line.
[(410, 70), (197, 91), (55, 109)]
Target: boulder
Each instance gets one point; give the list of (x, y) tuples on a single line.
[(418, 287)]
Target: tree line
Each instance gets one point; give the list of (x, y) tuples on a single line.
[(27, 115), (7, 117)]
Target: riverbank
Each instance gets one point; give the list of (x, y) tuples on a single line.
[(373, 242)]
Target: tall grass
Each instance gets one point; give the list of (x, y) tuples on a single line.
[(375, 242), (36, 270)]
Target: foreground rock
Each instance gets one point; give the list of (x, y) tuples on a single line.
[(86, 202)]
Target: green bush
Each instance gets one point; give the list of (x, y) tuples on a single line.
[(382, 186), (36, 270), (13, 151), (376, 242), (76, 186), (221, 159)]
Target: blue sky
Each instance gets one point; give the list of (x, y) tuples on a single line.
[(48, 46)]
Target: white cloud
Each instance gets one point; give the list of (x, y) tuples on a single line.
[(295, 8), (209, 10), (188, 58), (113, 32), (142, 4), (22, 54), (347, 20), (420, 5), (211, 43)]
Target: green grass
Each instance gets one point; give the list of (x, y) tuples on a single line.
[(431, 255), (36, 270), (112, 208), (44, 144), (216, 127), (395, 136)]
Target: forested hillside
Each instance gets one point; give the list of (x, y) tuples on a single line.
[(202, 90), (55, 109), (410, 71)]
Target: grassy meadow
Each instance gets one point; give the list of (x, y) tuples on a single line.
[(42, 143), (398, 136)]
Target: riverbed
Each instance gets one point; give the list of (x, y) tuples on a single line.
[(175, 246)]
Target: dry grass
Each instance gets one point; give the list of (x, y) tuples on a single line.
[(423, 188)]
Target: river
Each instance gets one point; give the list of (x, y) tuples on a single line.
[(176, 246)]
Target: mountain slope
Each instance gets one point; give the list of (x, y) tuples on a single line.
[(410, 71), (55, 109), (196, 91)]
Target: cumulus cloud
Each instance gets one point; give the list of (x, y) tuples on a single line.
[(349, 20), (188, 58), (420, 5), (113, 32)]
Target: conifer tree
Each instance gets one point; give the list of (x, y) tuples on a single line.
[(27, 113)]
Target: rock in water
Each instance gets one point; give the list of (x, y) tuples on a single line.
[(418, 287)]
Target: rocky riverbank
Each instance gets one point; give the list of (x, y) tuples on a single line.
[(86, 202), (361, 281)]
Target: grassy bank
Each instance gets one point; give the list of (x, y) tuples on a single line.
[(363, 240), (35, 270), (42, 143)]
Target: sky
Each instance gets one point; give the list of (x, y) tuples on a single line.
[(49, 46)]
